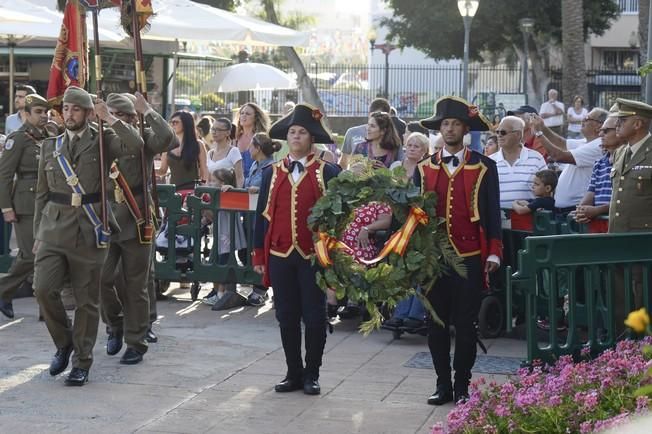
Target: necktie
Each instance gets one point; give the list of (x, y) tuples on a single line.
[(453, 158), (628, 155), (296, 164)]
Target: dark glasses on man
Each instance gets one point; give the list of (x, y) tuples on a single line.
[(503, 133)]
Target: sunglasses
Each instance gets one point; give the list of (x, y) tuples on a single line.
[(503, 133), (175, 121), (215, 130), (606, 130)]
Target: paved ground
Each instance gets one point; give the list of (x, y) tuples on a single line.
[(213, 372)]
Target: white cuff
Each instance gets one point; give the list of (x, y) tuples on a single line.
[(494, 258)]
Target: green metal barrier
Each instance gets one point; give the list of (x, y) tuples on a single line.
[(5, 251), (590, 268), (184, 220)]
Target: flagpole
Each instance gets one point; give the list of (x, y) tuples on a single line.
[(100, 124), (141, 85)]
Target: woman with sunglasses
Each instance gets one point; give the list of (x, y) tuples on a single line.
[(223, 155), (251, 120), (187, 163)]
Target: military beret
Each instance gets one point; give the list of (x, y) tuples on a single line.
[(78, 96), (35, 100), (121, 102), (628, 107)]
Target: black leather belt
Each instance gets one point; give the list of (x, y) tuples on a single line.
[(29, 175), (565, 210), (66, 199)]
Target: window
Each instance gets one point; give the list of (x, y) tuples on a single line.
[(619, 59), (628, 7)]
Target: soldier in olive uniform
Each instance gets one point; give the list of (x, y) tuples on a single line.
[(69, 242), (128, 246), (19, 161), (630, 209)]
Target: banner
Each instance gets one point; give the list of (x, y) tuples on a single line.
[(70, 63)]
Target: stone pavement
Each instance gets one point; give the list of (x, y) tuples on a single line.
[(213, 372)]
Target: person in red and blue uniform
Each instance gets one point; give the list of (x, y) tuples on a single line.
[(468, 199), (283, 243)]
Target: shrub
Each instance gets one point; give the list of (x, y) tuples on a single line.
[(568, 397)]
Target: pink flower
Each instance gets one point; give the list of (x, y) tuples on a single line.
[(586, 427), (642, 404), (438, 428)]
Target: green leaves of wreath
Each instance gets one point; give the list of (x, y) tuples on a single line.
[(428, 253)]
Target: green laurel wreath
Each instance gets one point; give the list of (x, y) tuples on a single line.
[(428, 253)]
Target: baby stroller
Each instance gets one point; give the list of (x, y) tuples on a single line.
[(184, 248)]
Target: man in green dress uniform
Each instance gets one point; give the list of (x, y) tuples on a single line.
[(70, 239), (125, 307), (18, 173)]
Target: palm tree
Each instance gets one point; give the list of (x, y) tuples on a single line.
[(573, 63), (643, 13)]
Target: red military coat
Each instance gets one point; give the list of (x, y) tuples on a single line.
[(468, 199)]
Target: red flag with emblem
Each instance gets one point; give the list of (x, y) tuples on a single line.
[(70, 63)]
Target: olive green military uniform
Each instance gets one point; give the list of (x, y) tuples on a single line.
[(67, 239), (630, 209), (18, 173), (131, 298)]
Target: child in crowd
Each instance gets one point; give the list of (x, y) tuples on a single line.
[(222, 235), (543, 187)]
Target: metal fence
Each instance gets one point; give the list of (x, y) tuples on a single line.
[(347, 90)]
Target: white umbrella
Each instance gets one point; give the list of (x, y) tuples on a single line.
[(186, 20), (249, 76)]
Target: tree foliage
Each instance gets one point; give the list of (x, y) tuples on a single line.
[(435, 26)]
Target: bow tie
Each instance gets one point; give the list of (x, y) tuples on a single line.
[(453, 158), (294, 165)]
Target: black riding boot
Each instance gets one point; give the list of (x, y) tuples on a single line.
[(291, 339), (315, 342)]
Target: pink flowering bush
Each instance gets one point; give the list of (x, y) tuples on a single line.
[(568, 397)]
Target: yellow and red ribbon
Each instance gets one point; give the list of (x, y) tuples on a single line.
[(397, 243)]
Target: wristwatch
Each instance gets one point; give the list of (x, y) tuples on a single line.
[(538, 134)]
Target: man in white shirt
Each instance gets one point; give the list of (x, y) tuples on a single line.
[(516, 164), (552, 112), (579, 154), (15, 121)]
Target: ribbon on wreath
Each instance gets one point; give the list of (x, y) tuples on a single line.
[(397, 243), (327, 243)]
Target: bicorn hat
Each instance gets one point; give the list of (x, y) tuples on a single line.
[(307, 116), (457, 108)]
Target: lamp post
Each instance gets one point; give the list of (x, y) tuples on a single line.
[(526, 25), (386, 48), (467, 8)]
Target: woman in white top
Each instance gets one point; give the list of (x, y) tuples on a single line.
[(223, 155), (576, 114), (416, 148)]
